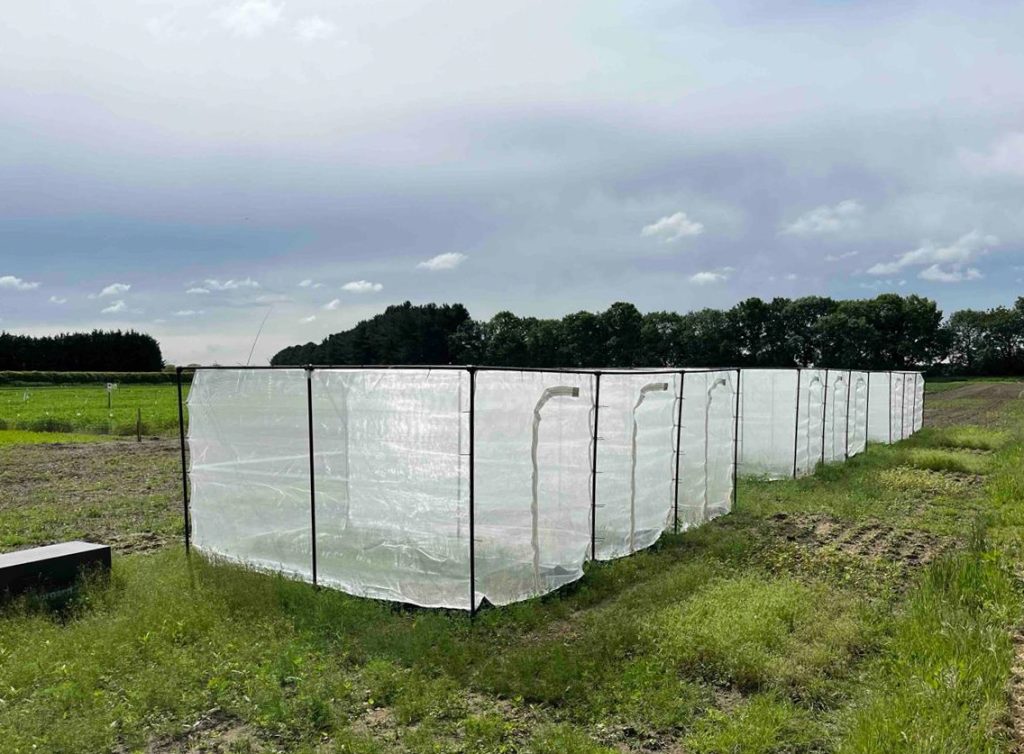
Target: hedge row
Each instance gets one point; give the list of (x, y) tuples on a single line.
[(77, 378)]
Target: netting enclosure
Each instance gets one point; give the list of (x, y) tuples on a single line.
[(448, 487)]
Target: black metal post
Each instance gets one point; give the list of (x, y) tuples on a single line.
[(593, 469), (735, 439), (867, 415), (184, 466), (890, 407), (824, 414), (472, 492), (846, 448), (679, 449), (796, 419), (312, 467)]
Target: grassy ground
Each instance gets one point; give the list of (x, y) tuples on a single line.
[(870, 608), (84, 409)]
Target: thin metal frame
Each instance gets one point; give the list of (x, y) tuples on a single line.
[(735, 439), (679, 450), (472, 492), (796, 419), (184, 465), (593, 469), (312, 470)]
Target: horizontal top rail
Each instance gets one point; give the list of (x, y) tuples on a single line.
[(484, 368)]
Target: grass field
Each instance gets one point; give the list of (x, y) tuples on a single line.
[(83, 409), (873, 607)]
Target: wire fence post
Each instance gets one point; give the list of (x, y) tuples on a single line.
[(679, 450), (312, 468), (846, 447), (184, 465), (593, 469), (824, 414), (472, 492), (736, 438), (796, 419)]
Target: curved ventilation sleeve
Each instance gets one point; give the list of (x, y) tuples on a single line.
[(532, 482), (835, 416), (706, 465), (767, 413), (809, 423), (858, 419), (636, 461), (879, 406)]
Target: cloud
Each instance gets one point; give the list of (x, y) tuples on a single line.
[(307, 320), (826, 220), (17, 284), (707, 277), (840, 257), (673, 227), (1004, 157), (313, 28), (115, 289), (188, 313), (953, 274), (231, 285), (942, 264), (197, 291), (448, 261), (333, 304), (114, 308), (362, 286), (248, 19), (58, 300), (307, 283)]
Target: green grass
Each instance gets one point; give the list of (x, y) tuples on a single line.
[(868, 608), (83, 409), (24, 437)]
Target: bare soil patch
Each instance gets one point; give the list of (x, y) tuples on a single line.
[(973, 403)]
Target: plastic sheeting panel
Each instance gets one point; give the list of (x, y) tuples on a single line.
[(858, 417), (636, 456), (879, 407), (532, 481), (249, 440), (811, 420), (919, 404), (898, 399), (707, 456), (768, 404), (392, 488), (838, 394)]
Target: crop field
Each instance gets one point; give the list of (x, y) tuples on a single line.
[(85, 409), (876, 606)]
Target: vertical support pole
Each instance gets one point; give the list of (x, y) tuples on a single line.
[(593, 469), (913, 409), (824, 414), (890, 407), (846, 448), (796, 418), (867, 415), (312, 468), (184, 465), (736, 439), (924, 403), (679, 449), (472, 492)]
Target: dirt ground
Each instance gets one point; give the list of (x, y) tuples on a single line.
[(970, 404), (124, 493)]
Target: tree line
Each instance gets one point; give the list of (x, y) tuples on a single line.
[(96, 351), (886, 332)]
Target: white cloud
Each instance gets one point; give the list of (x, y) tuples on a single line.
[(942, 264), (314, 28), (362, 286), (231, 285), (16, 283), (953, 274), (791, 276), (197, 291), (307, 283), (840, 257), (448, 261), (115, 289), (248, 19), (307, 320), (1004, 157), (707, 277), (188, 313), (673, 227), (333, 304), (824, 220), (58, 300), (114, 308)]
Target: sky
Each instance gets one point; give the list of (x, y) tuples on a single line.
[(191, 169)]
